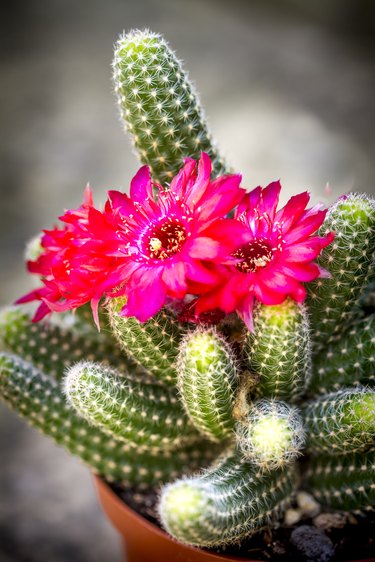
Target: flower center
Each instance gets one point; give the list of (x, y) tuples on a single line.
[(254, 255), (165, 240)]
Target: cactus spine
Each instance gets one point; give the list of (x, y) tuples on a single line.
[(349, 361), (153, 345), (159, 105), (341, 422), (145, 416), (207, 378), (230, 501), (350, 261), (279, 350), (271, 434), (346, 483), (40, 400)]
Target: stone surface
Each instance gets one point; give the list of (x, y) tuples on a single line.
[(312, 543)]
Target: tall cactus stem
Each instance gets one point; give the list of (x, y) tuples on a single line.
[(279, 350), (207, 380), (159, 106), (341, 422)]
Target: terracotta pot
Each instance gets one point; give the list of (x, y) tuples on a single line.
[(144, 542)]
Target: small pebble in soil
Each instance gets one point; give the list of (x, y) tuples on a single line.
[(329, 521), (307, 504), (312, 543)]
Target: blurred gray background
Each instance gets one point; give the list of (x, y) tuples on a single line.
[(288, 88)]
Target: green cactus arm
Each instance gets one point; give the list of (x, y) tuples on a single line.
[(279, 350), (229, 502), (349, 361), (207, 380), (147, 417), (340, 422), (345, 483), (271, 434), (350, 261), (53, 348), (159, 105), (152, 344), (39, 399)]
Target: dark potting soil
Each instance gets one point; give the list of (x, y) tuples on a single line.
[(327, 537)]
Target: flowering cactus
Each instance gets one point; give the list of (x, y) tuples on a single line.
[(237, 335)]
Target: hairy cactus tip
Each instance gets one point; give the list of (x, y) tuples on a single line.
[(159, 106), (271, 434)]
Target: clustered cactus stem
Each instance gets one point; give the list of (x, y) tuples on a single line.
[(225, 504), (154, 403)]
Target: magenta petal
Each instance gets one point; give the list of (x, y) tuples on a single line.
[(140, 186), (175, 279), (222, 196), (245, 311), (145, 301), (42, 311), (179, 182), (269, 199), (304, 228), (301, 272), (204, 248), (202, 181), (292, 211)]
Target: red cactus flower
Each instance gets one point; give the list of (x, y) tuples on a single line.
[(278, 257), (173, 241)]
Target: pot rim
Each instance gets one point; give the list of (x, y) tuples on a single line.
[(104, 491)]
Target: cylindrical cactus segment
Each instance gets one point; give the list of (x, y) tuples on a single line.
[(147, 417), (350, 261), (153, 344), (159, 106), (345, 483), (279, 350), (271, 435), (350, 361), (207, 379), (53, 348), (39, 399), (227, 503), (341, 422)]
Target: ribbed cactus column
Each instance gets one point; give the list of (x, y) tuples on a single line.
[(279, 350), (159, 105), (153, 344), (345, 483), (207, 379), (227, 503), (341, 422), (148, 417), (350, 260), (271, 435), (349, 361), (40, 400), (52, 348)]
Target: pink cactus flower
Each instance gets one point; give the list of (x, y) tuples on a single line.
[(172, 243), (278, 257)]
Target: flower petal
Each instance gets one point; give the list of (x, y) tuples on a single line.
[(140, 185)]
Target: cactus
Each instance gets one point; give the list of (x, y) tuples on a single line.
[(146, 416), (349, 361), (40, 400), (341, 422), (231, 501), (207, 379), (350, 260), (345, 483), (153, 345), (271, 434), (159, 105), (279, 350), (145, 403)]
